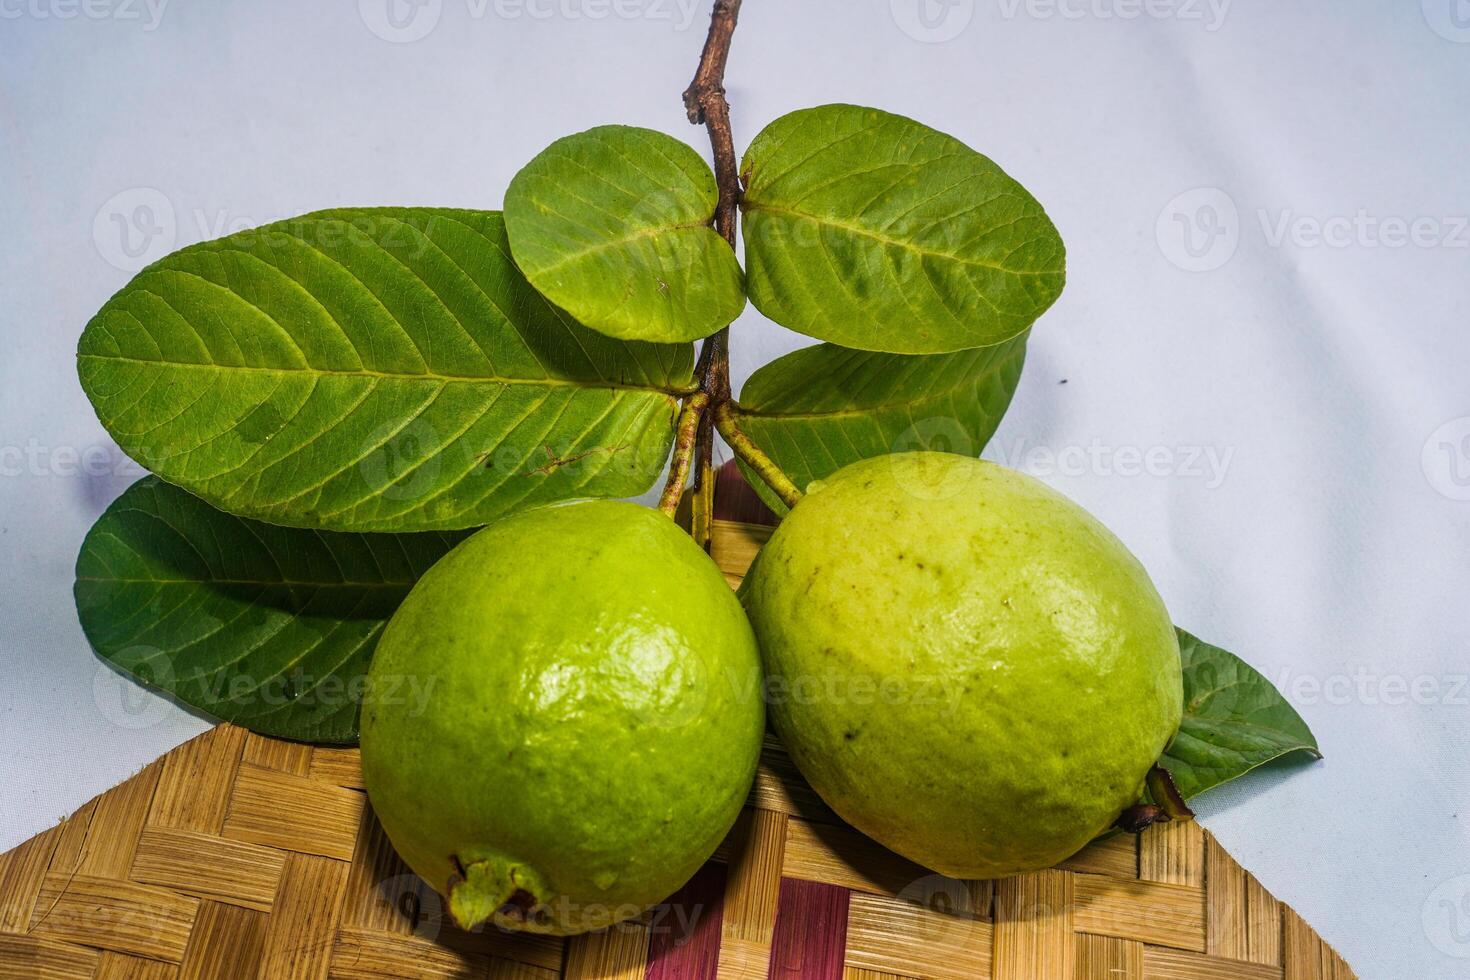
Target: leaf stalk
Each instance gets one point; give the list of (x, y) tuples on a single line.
[(686, 432), (726, 421)]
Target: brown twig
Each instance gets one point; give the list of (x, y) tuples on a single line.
[(704, 100)]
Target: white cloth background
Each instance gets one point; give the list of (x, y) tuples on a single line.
[(1294, 377)]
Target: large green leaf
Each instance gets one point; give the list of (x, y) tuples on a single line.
[(613, 225), (268, 627), (376, 369), (820, 408), (873, 231), (1234, 721)]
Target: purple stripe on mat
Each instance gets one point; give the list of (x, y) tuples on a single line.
[(811, 931), (684, 932), (736, 501)]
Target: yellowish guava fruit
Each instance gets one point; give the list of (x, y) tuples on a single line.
[(964, 664), (563, 718)]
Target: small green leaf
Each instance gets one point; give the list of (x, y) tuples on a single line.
[(873, 231), (613, 225), (268, 627), (381, 369), (1234, 721), (820, 408)]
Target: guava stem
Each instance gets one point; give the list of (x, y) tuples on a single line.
[(686, 432), (1169, 804), (1137, 819), (752, 455), (1161, 787)]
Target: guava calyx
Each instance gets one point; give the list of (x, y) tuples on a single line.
[(491, 889)]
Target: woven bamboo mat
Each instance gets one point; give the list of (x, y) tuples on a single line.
[(236, 856)]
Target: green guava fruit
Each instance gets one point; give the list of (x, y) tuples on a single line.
[(964, 664), (591, 723)]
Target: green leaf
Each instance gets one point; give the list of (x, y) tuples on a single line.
[(820, 408), (268, 627), (1234, 721), (613, 225), (873, 231), (378, 369)]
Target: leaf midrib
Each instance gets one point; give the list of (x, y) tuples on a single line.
[(1241, 727), (860, 231), (652, 231), (884, 406), (431, 376)]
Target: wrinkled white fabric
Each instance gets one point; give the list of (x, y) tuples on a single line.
[(1257, 375)]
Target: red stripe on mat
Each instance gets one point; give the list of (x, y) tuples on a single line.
[(684, 939), (811, 931)]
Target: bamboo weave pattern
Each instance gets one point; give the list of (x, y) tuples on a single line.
[(237, 856)]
